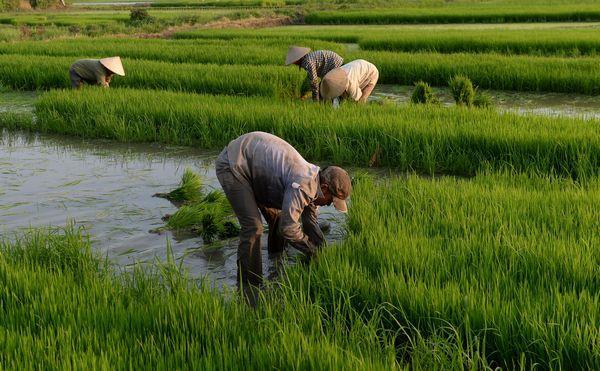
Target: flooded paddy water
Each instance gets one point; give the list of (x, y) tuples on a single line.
[(543, 104), (107, 187)]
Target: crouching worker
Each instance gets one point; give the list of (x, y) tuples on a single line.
[(316, 64), (95, 71), (355, 80), (259, 171)]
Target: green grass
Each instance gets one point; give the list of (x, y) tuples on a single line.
[(242, 51), (459, 14), (506, 265), (488, 71), (427, 139), (60, 306), (434, 274), (25, 72), (572, 42), (99, 17)]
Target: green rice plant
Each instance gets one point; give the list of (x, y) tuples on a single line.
[(483, 100), (62, 304), (189, 190), (491, 262), (423, 93), (499, 270), (217, 51), (488, 71), (210, 217), (332, 34), (462, 90), (426, 138), (459, 14), (541, 41), (25, 72)]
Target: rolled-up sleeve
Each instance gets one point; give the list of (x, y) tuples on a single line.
[(294, 203)]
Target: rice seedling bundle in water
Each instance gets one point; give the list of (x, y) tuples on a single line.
[(462, 90), (208, 215), (189, 190), (423, 93)]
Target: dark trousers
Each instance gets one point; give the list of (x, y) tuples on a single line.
[(240, 195), (76, 80)]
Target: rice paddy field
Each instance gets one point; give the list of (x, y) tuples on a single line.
[(473, 234)]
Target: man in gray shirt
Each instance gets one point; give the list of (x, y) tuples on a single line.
[(259, 171)]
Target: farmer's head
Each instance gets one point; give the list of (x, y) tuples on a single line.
[(336, 187)]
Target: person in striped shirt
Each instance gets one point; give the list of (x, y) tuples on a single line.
[(316, 63)]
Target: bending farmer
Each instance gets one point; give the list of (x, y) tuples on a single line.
[(259, 171), (95, 71), (354, 80), (317, 64)]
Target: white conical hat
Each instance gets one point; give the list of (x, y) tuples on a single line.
[(295, 53), (114, 65), (334, 83)]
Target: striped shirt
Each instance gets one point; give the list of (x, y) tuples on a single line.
[(317, 64)]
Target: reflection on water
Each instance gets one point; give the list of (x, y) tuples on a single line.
[(545, 104), (107, 187)]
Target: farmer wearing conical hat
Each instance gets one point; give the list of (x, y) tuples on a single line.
[(317, 64), (262, 173), (95, 71), (354, 80)]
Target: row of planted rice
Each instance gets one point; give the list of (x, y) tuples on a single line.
[(174, 65)]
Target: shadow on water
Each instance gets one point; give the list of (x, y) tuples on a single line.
[(107, 187)]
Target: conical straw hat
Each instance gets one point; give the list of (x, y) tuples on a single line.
[(334, 83), (114, 65), (295, 53)]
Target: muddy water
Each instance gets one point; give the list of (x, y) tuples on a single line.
[(544, 104), (107, 187)]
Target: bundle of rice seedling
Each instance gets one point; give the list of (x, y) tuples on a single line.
[(207, 215), (189, 190)]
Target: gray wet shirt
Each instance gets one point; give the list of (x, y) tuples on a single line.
[(281, 179), (91, 71)]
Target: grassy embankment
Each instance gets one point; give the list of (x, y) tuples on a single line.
[(427, 139)]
